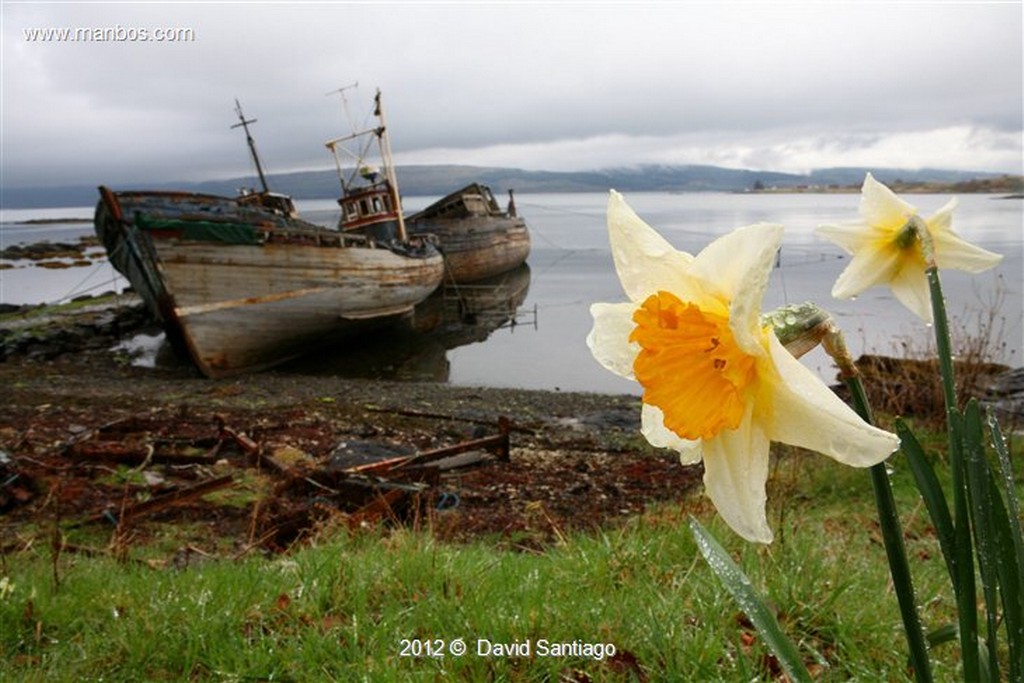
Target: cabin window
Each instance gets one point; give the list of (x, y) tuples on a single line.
[(376, 205), (364, 207)]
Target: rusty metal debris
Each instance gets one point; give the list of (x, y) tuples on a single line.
[(302, 495), (167, 500), (15, 487)]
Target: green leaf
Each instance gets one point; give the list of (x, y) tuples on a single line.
[(931, 491), (1008, 552), (943, 634), (739, 586), (1006, 470), (981, 501), (895, 551), (963, 564)]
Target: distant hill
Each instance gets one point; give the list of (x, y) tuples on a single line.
[(440, 180)]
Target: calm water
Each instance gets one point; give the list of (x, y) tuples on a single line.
[(570, 267)]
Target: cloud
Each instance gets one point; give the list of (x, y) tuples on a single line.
[(559, 86), (960, 147)]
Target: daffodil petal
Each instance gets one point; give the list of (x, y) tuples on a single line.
[(880, 207), (735, 472), (953, 252), (652, 426), (609, 337), (910, 287), (806, 413), (739, 264), (942, 220), (644, 260), (728, 260), (852, 236), (867, 268)]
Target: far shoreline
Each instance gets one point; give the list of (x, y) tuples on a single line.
[(47, 221), (1007, 186)]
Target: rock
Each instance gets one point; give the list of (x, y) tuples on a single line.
[(49, 333), (1004, 394), (911, 387)]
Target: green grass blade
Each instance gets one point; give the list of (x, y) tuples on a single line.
[(931, 492), (739, 586)]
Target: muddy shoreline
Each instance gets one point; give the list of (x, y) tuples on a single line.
[(576, 460), (85, 433)]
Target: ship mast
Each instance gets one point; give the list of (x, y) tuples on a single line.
[(384, 150), (389, 168), (252, 143)]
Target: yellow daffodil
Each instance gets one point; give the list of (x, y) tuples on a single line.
[(888, 247), (717, 383)]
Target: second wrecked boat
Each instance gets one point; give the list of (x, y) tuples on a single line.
[(477, 238)]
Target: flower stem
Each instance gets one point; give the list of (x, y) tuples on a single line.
[(892, 538), (963, 583)]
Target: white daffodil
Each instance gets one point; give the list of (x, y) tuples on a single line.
[(718, 385), (887, 247)]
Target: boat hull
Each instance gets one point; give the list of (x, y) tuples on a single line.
[(477, 238), (247, 305), (478, 247)]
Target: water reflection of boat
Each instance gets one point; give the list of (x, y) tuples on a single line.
[(415, 348), (243, 283), (477, 238), (471, 311)]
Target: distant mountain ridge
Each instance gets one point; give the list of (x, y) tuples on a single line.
[(438, 180)]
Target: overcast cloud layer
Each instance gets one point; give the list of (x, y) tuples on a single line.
[(553, 86)]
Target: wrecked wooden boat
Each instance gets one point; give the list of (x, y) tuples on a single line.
[(241, 284), (242, 287), (477, 238)]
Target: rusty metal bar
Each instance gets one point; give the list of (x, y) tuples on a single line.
[(106, 451), (442, 416), (499, 441), (253, 451), (164, 501)]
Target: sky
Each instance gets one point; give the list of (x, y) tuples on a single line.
[(561, 86)]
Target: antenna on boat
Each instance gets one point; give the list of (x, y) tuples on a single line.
[(344, 101), (252, 143), (333, 144)]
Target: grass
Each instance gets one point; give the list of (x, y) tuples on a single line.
[(340, 608)]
